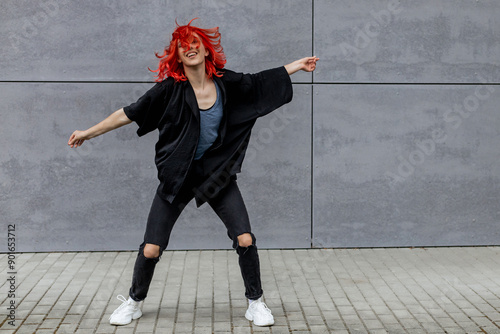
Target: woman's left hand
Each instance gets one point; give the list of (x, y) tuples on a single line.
[(307, 64)]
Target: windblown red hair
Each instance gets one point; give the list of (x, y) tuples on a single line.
[(170, 67)]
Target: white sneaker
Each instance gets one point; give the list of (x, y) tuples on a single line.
[(259, 314), (129, 310)]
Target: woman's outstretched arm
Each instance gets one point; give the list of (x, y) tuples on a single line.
[(113, 121), (307, 64)]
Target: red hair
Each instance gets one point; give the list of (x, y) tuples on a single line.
[(183, 35)]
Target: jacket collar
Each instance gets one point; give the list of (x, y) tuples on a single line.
[(222, 88), (223, 123), (190, 99)]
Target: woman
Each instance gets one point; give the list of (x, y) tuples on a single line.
[(204, 114)]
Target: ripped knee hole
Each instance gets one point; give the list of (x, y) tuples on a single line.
[(245, 240), (151, 251)]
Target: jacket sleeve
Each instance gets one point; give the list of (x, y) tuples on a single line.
[(149, 108), (255, 95)]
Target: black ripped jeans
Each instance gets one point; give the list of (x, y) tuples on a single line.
[(227, 204)]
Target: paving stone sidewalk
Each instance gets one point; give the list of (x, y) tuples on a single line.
[(398, 290)]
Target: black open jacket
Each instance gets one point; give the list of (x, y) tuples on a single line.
[(171, 107)]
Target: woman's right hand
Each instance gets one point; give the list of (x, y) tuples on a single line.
[(113, 121), (77, 138)]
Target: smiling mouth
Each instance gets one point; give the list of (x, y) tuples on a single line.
[(191, 54)]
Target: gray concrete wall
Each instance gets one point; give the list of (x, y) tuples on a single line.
[(393, 141)]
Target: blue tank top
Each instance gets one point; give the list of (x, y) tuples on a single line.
[(209, 125)]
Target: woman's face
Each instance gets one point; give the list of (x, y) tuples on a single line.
[(193, 56)]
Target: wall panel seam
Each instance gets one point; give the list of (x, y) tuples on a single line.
[(312, 129), (295, 83)]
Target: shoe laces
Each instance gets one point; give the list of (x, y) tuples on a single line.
[(124, 304), (262, 307)]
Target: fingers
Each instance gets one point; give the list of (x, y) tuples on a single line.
[(312, 59), (71, 140), (309, 63), (74, 141), (77, 143)]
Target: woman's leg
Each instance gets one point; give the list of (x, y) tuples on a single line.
[(230, 208), (161, 220)]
